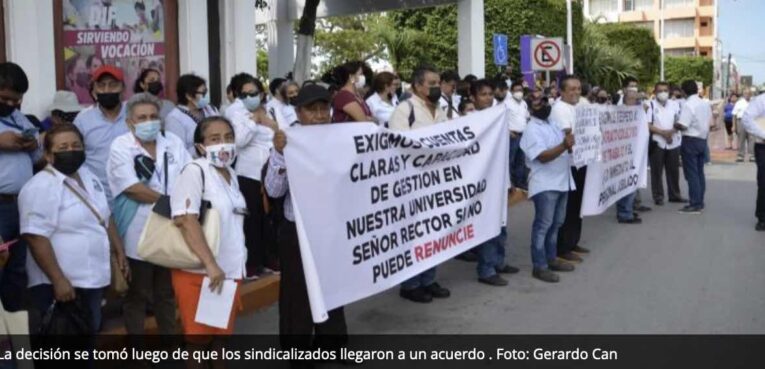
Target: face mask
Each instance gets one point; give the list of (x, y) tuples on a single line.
[(361, 82), (108, 101), (602, 100), (500, 98), (154, 88), (83, 79), (633, 89), (542, 113), (147, 131), (221, 155), (434, 94), (6, 110), (203, 102), (518, 95), (662, 96), (68, 162), (293, 100), (251, 103)]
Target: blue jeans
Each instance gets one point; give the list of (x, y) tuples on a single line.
[(693, 152), (13, 277), (625, 207), (549, 215), (42, 298), (491, 255), (518, 171), (423, 279)]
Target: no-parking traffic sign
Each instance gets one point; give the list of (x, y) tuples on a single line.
[(547, 54)]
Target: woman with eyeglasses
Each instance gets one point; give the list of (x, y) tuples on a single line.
[(193, 106), (254, 130)]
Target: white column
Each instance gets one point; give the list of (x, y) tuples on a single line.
[(30, 44), (471, 46), (281, 39), (237, 39), (193, 44), (586, 9)]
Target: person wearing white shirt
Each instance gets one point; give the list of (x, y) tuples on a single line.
[(65, 219), (254, 139), (694, 121), (664, 150), (277, 105), (518, 117), (381, 101), (751, 121), (563, 116), (745, 142), (193, 106), (450, 101), (289, 91), (143, 165), (209, 178)]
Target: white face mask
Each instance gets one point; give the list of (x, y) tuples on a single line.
[(662, 96), (518, 95), (633, 89), (221, 155), (361, 81)]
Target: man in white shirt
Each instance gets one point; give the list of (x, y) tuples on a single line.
[(518, 117), (450, 101), (664, 150), (745, 141), (750, 120), (694, 121), (421, 110), (563, 115), (278, 103)]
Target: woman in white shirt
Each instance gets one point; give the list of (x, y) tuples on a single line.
[(209, 178), (143, 165), (381, 101), (66, 221), (254, 135), (193, 106)]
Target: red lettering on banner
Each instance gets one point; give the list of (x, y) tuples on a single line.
[(431, 248)]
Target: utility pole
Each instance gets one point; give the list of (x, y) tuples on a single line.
[(727, 77), (569, 38), (661, 37)]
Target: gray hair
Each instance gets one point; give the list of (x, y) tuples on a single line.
[(142, 99)]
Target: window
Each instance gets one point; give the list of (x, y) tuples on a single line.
[(643, 4), (603, 7), (686, 51), (704, 24), (629, 5), (677, 3), (679, 28)]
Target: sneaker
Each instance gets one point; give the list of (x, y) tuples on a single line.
[(739, 160), (507, 269), (659, 202), (494, 280), (545, 275), (252, 273), (419, 294), (558, 266), (642, 208), (760, 227), (580, 250), (630, 221), (689, 210), (437, 291), (468, 256), (571, 257), (752, 160)]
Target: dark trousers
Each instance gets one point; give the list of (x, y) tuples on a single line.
[(13, 276), (694, 152), (665, 160), (296, 326), (570, 232), (759, 153), (42, 297), (149, 283), (518, 171), (259, 233)]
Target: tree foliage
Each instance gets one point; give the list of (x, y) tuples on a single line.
[(340, 39), (601, 62), (681, 68), (642, 45)]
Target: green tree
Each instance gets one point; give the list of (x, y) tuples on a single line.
[(602, 62), (681, 68), (642, 45), (339, 39)]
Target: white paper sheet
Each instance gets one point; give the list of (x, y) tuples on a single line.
[(215, 309)]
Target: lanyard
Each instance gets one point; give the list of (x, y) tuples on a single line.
[(229, 188), (12, 123)]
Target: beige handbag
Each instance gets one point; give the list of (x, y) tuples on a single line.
[(162, 243)]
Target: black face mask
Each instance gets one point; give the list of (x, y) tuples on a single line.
[(602, 100), (108, 101), (292, 100), (434, 94), (68, 162), (542, 113), (154, 88), (500, 98), (6, 110)]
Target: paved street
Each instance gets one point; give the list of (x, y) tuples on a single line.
[(672, 274)]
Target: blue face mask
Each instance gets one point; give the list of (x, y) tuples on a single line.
[(251, 103), (203, 102), (148, 131)]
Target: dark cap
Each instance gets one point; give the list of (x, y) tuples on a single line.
[(108, 70), (310, 94)]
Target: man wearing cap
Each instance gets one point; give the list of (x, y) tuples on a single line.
[(296, 327), (64, 109), (103, 122)]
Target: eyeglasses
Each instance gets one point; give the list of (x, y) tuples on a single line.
[(250, 94)]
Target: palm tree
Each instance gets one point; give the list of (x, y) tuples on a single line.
[(403, 46), (603, 63)]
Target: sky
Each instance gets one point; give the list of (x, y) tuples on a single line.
[(742, 30)]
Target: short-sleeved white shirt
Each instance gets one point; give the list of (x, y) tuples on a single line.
[(517, 114), (664, 117), (49, 209), (696, 115), (563, 115), (225, 197)]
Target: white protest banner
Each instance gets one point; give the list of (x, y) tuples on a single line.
[(624, 158), (587, 135), (375, 207)]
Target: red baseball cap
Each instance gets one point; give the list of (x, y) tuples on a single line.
[(110, 70)]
